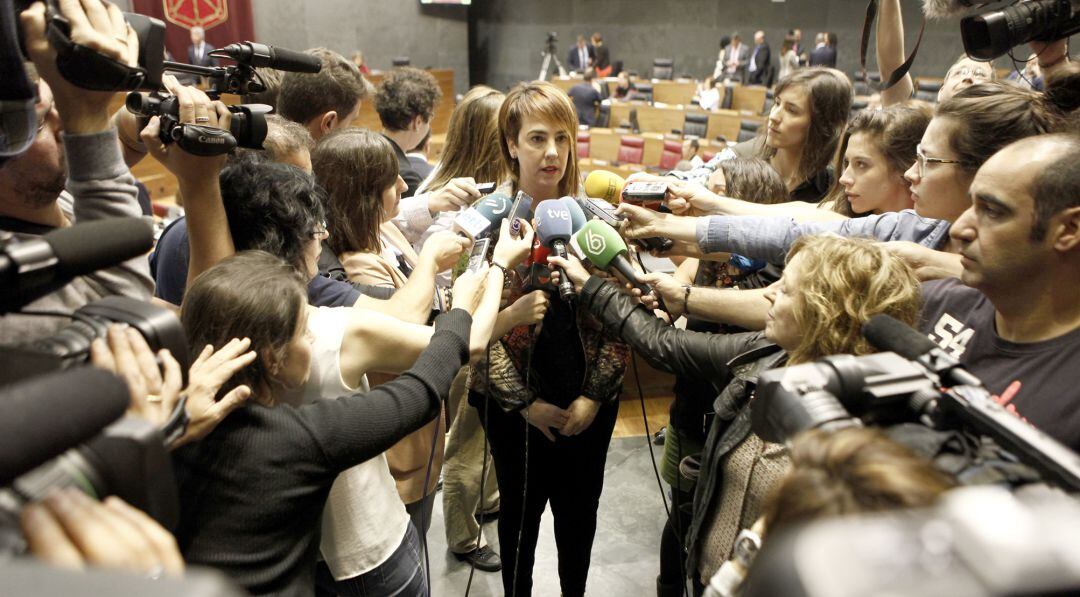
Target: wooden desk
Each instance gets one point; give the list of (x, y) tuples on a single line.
[(748, 98), (651, 119), (725, 123), (565, 83), (604, 145), (674, 92)]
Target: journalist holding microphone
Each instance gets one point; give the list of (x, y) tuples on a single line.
[(829, 288)]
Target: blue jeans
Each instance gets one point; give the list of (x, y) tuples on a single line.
[(401, 575)]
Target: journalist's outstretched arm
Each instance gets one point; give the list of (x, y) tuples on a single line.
[(667, 348)]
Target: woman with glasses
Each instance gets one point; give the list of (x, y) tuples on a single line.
[(965, 131)]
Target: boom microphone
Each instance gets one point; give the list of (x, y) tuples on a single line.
[(255, 54), (602, 246), (32, 268), (44, 416), (483, 216), (554, 225), (943, 9), (889, 334)]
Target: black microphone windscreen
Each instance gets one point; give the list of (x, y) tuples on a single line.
[(889, 334), (85, 248), (293, 61), (44, 416)]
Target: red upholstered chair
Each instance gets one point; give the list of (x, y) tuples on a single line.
[(631, 150), (708, 156), (671, 155), (583, 144)]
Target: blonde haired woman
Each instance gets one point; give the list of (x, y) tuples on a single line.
[(831, 285)]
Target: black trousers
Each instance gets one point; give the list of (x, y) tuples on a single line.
[(568, 473)]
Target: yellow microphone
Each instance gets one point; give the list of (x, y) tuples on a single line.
[(601, 184)]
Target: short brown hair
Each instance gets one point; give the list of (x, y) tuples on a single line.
[(753, 180), (404, 94), (251, 294), (988, 116), (849, 471), (844, 282), (472, 140), (830, 95), (354, 166), (338, 87), (543, 100)]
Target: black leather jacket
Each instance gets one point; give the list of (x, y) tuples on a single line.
[(731, 362)]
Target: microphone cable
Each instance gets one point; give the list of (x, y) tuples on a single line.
[(423, 509), (652, 457), (483, 467), (525, 482)]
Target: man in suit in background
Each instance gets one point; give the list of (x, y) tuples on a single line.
[(581, 56), (198, 53), (586, 99), (736, 57), (757, 71), (823, 54)]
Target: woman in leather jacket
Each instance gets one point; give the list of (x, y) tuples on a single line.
[(549, 398), (830, 286)]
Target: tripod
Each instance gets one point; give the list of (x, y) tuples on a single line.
[(549, 54)]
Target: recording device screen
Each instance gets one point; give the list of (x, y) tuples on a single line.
[(646, 194), (478, 254)]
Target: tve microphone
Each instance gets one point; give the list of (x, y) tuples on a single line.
[(605, 185), (577, 215), (483, 216), (602, 246), (889, 334), (32, 268), (249, 52), (44, 416), (554, 227)]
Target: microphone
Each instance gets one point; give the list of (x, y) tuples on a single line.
[(601, 184), (44, 416), (256, 54), (886, 333), (603, 246), (554, 227), (943, 9), (483, 216), (32, 268), (577, 215)]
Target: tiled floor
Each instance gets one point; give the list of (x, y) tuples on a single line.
[(625, 555)]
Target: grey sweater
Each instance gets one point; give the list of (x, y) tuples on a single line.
[(102, 187)]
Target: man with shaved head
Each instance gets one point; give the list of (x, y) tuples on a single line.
[(1013, 319)]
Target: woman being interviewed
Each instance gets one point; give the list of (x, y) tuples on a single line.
[(561, 407), (831, 285)]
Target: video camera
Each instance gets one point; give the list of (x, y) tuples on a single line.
[(979, 541), (246, 129), (248, 124), (882, 389), (993, 34), (55, 437)]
